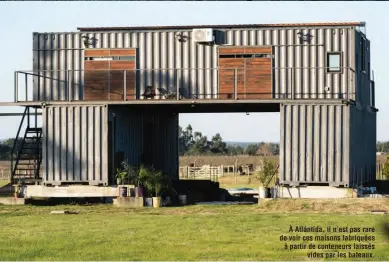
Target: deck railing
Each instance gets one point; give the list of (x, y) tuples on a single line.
[(185, 83)]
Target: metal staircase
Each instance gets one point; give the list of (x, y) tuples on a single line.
[(27, 151)]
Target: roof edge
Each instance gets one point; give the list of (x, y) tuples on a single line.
[(126, 28)]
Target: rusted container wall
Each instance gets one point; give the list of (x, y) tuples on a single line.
[(140, 135), (164, 61), (363, 139), (74, 148), (315, 144)]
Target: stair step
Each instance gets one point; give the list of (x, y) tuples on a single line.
[(35, 129)]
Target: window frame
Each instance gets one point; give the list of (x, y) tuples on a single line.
[(340, 54)]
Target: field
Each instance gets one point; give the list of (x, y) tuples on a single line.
[(103, 232), (230, 160)]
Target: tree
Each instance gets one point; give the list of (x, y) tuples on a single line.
[(217, 145), (200, 146), (382, 147), (265, 149), (252, 149), (185, 139), (267, 172), (235, 150)]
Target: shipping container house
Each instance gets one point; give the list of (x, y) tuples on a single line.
[(317, 75)]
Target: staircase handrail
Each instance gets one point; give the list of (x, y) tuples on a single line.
[(15, 141)]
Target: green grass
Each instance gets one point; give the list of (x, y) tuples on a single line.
[(3, 182), (104, 232)]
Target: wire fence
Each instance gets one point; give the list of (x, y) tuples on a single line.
[(381, 173), (5, 174)]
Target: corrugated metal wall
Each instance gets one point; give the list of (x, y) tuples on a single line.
[(314, 146), (327, 144), (75, 144), (161, 50), (362, 50), (160, 147), (363, 138)]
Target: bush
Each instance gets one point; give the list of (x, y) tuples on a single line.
[(385, 168), (267, 172)]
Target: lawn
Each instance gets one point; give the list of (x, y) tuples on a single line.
[(3, 182), (103, 232), (230, 181)]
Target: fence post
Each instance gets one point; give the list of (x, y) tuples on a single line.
[(125, 85), (16, 86), (67, 85), (236, 83), (175, 76), (26, 87), (109, 84), (292, 82)]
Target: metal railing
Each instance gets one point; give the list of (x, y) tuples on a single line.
[(5, 174), (16, 150), (185, 83), (204, 172)]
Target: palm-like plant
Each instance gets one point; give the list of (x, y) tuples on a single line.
[(133, 175), (121, 175), (152, 179)]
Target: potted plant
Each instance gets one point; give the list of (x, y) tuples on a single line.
[(156, 178), (121, 176), (154, 182), (265, 175), (134, 179), (144, 177)]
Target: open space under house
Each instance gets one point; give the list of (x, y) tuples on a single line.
[(113, 93)]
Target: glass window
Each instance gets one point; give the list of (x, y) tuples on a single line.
[(127, 58), (333, 62)]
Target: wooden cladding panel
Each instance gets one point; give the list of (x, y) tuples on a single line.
[(109, 52), (108, 85), (104, 80), (245, 50), (231, 63), (96, 52), (123, 52), (96, 65), (254, 78), (122, 65), (96, 85)]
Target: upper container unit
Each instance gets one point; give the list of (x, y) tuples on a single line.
[(275, 61)]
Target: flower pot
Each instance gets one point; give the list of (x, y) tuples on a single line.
[(262, 192), (157, 202), (138, 191), (273, 192), (148, 201), (118, 181), (123, 191), (182, 199)]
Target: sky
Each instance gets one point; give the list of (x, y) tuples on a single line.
[(19, 19)]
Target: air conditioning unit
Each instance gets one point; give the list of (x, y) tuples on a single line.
[(203, 35)]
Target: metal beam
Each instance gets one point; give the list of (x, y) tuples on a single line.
[(16, 114), (145, 102)]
